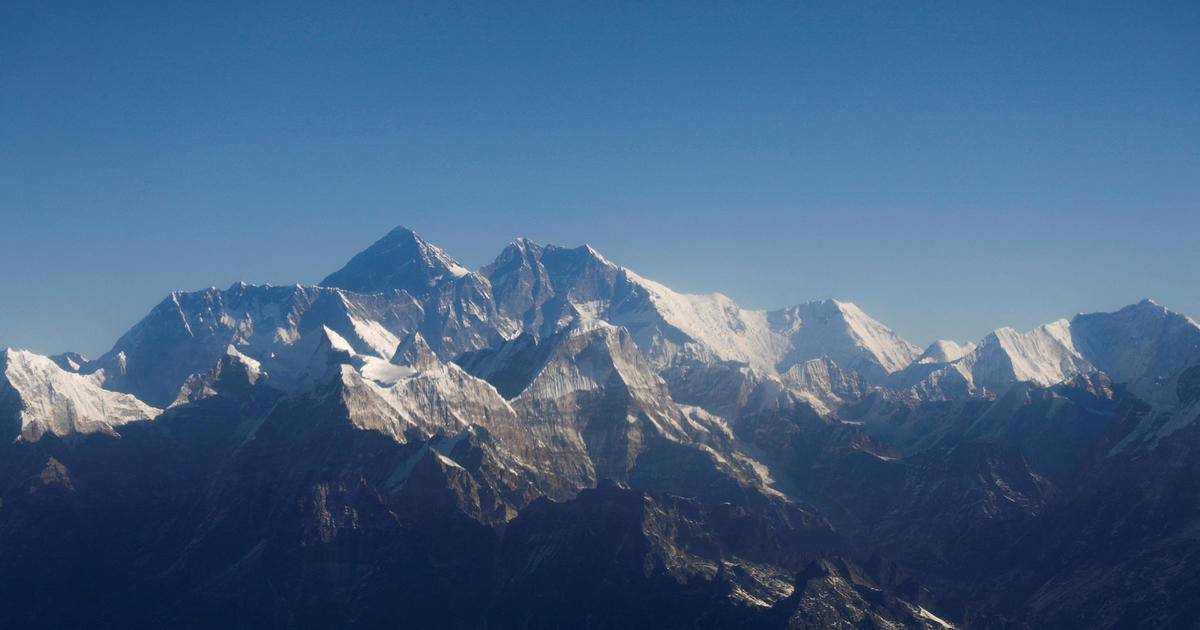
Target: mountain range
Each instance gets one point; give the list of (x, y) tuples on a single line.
[(555, 441)]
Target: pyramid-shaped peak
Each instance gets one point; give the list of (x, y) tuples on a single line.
[(401, 238), (401, 260), (414, 352), (402, 232), (594, 253), (945, 351)]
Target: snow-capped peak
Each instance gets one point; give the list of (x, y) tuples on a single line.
[(524, 243), (543, 285), (1143, 341), (53, 400), (414, 352), (399, 260), (1044, 355), (1142, 345), (945, 351), (889, 349)]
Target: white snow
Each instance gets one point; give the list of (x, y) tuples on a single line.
[(446, 261), (456, 269), (945, 351), (383, 372), (338, 342), (888, 349), (1045, 355), (734, 333), (925, 614), (253, 366), (577, 367), (377, 337), (60, 402)]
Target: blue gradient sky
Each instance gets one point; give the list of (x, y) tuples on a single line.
[(951, 170)]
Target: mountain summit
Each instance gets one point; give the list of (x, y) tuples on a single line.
[(401, 260)]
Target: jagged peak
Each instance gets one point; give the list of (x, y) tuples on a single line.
[(522, 249), (524, 243)]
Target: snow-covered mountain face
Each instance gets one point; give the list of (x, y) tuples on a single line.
[(543, 288), (400, 261), (553, 406), (828, 353), (49, 399), (187, 334), (1143, 346), (402, 286)]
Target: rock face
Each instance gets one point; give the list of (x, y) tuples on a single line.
[(556, 441)]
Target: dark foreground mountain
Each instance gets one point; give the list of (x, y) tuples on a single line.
[(556, 442)]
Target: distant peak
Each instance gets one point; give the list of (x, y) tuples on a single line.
[(846, 307), (400, 260), (1147, 310), (945, 351), (1147, 306), (593, 252), (402, 232), (823, 308), (413, 351), (583, 254), (524, 247)]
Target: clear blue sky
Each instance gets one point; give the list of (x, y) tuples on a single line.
[(951, 168)]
